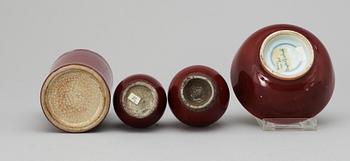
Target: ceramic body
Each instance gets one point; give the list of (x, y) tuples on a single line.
[(87, 58), (139, 101), (198, 96), (267, 96), (75, 96)]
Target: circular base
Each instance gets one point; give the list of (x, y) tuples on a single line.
[(286, 55), (198, 96), (139, 99), (75, 98), (197, 92)]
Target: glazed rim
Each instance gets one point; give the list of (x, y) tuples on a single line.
[(197, 92), (139, 99), (304, 62), (75, 98)]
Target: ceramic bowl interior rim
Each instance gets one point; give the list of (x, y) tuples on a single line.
[(298, 35)]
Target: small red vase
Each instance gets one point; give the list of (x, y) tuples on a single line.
[(139, 101), (75, 97), (198, 96), (283, 73)]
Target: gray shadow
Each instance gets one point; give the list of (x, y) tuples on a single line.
[(177, 125), (159, 126), (109, 126), (45, 126), (246, 120), (324, 122)]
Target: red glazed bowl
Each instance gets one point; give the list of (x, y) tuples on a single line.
[(198, 96), (283, 73), (75, 96), (139, 101)]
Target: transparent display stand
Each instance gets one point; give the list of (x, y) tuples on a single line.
[(276, 124)]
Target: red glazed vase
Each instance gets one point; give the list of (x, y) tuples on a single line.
[(198, 96), (283, 73), (75, 96), (139, 101)]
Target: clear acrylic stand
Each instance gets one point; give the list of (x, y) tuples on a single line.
[(269, 124)]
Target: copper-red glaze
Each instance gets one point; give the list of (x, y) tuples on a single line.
[(87, 58), (265, 96), (139, 122), (212, 113)]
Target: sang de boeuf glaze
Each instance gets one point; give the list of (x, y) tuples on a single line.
[(139, 101), (283, 71), (198, 96), (75, 96)]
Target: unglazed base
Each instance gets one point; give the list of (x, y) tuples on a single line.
[(75, 98), (139, 99), (197, 92), (198, 96)]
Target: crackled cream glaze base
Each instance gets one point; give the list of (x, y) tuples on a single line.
[(75, 98)]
